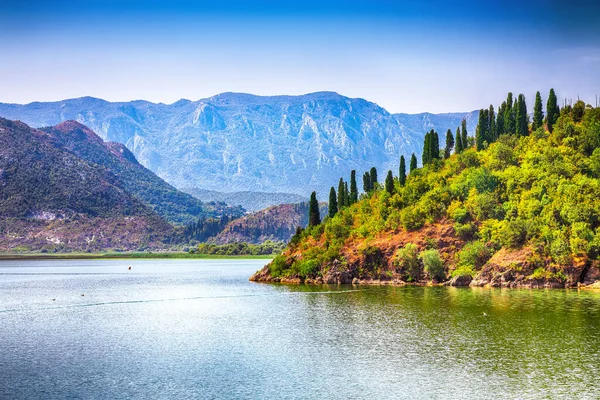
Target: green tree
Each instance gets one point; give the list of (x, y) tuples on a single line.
[(435, 145), (509, 116), (333, 205), (413, 163), (367, 182), (389, 183), (426, 156), (538, 114), (341, 192), (578, 111), (314, 217), (458, 146), (373, 177), (552, 111), (464, 135), (492, 130), (521, 117), (500, 130), (346, 195), (402, 175), (353, 188), (481, 131)]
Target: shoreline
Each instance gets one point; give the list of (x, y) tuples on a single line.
[(113, 256)]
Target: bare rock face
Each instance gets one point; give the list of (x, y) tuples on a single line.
[(337, 274), (461, 281)]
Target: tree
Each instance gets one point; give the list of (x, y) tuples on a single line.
[(458, 145), (464, 135), (435, 145), (346, 195), (389, 183), (341, 192), (538, 114), (367, 182), (431, 147), (402, 175), (373, 177), (492, 132), (353, 188), (552, 110), (481, 131), (426, 156), (522, 128), (500, 130), (333, 205), (578, 111), (314, 217), (509, 115), (413, 163)]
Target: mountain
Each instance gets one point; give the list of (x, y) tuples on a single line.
[(276, 223), (175, 206), (63, 188), (242, 142), (521, 212), (250, 201)]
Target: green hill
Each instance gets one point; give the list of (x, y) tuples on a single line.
[(517, 207)]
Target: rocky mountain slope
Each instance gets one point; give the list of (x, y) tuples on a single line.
[(241, 142), (250, 201), (276, 223)]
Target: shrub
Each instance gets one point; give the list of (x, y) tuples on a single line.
[(465, 231), (474, 255), (277, 266), (433, 264), (407, 260), (464, 270)]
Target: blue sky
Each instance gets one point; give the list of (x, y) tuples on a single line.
[(407, 56)]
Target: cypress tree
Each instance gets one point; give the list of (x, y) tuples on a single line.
[(314, 217), (389, 183), (353, 188), (509, 116), (480, 131), (435, 145), (449, 144), (552, 110), (458, 146), (366, 182), (373, 177), (340, 193), (346, 195), (402, 175), (464, 135), (333, 206), (413, 163), (521, 117), (492, 133), (538, 114), (500, 120), (426, 157)]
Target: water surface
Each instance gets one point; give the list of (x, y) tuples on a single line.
[(200, 329)]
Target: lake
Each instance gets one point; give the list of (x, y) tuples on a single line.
[(199, 329)]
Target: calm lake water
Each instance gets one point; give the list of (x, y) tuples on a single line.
[(198, 329)]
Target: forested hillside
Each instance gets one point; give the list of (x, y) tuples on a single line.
[(515, 204)]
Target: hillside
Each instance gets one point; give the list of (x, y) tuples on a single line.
[(242, 142), (520, 209), (50, 198), (249, 201), (276, 223)]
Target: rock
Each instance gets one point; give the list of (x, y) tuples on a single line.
[(355, 281), (462, 280)]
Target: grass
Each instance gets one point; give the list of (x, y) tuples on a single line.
[(125, 255)]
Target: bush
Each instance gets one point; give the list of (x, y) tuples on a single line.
[(474, 255), (277, 266), (407, 261), (433, 264), (465, 231)]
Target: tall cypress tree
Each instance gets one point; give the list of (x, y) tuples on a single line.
[(389, 183), (402, 175), (346, 195), (464, 135), (373, 177), (500, 120), (510, 116), (426, 157), (413, 163), (435, 145), (538, 114), (333, 205), (552, 110), (458, 146), (492, 133), (521, 117), (449, 144), (353, 188), (340, 193), (314, 217), (367, 182), (480, 131)]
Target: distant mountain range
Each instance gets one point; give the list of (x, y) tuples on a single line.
[(62, 187), (242, 142), (250, 201)]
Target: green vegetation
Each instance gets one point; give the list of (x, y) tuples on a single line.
[(123, 255), (314, 217), (524, 189), (240, 249)]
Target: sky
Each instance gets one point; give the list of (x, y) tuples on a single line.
[(407, 56)]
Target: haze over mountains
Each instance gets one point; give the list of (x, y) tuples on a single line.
[(241, 142)]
